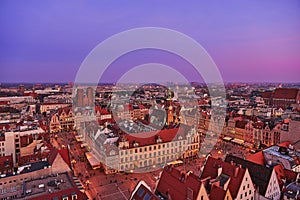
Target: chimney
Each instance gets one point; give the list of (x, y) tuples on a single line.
[(236, 171), (183, 176), (219, 170)]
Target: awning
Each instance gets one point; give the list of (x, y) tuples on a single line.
[(237, 141), (227, 138), (94, 162)]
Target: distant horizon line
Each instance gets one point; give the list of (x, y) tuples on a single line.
[(114, 83)]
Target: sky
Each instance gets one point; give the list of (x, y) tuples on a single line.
[(250, 41)]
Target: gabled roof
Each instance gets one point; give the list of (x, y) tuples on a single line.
[(64, 153), (284, 174), (142, 191), (177, 184), (257, 158), (67, 110), (217, 193), (285, 93), (102, 111), (236, 173), (52, 155), (260, 174)]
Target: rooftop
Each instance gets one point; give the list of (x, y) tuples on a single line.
[(46, 185), (285, 153)]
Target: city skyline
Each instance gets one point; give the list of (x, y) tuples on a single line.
[(249, 41)]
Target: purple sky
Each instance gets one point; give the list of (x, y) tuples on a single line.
[(46, 41)]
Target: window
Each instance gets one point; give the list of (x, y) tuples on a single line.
[(65, 197), (140, 192), (147, 196)]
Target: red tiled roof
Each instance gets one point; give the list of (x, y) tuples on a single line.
[(266, 95), (148, 138), (103, 111), (290, 175), (236, 173), (279, 169), (65, 155), (285, 93), (257, 158), (52, 155), (32, 158), (175, 184), (282, 173), (217, 193), (142, 192), (284, 144), (65, 109)]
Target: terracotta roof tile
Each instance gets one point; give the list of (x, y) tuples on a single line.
[(236, 173), (65, 155), (217, 193), (260, 174), (257, 158), (285, 93), (176, 184), (148, 138)]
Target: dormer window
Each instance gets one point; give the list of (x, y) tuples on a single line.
[(135, 144), (159, 140)]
